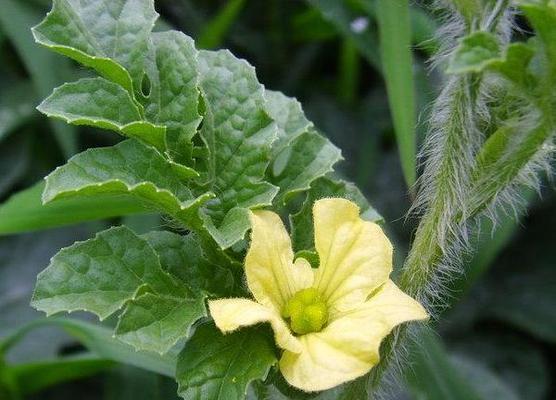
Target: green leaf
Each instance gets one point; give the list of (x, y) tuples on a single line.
[(513, 66), (173, 98), (35, 377), (480, 52), (302, 222), (300, 154), (542, 15), (238, 134), (289, 117), (24, 211), (129, 168), (100, 103), (182, 257), (309, 157), (156, 322), (214, 31), (474, 53), (119, 268), (100, 275), (214, 366), (46, 70), (109, 36), (395, 49)]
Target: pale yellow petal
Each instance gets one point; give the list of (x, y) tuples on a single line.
[(303, 274), (232, 314), (391, 306), (269, 261), (349, 346), (355, 255)]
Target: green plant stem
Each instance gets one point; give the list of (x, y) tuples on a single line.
[(448, 174)]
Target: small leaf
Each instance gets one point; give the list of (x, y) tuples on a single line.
[(100, 275), (289, 117), (173, 100), (503, 156), (213, 366), (542, 15), (474, 53), (514, 65), (109, 36), (182, 257), (308, 157), (100, 103), (156, 322), (302, 222), (129, 168)]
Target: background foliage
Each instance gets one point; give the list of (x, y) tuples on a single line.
[(497, 337)]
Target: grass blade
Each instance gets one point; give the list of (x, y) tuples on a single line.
[(395, 49), (214, 32), (24, 211)]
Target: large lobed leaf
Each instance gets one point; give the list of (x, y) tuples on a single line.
[(115, 269)]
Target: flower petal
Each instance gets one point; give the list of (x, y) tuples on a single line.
[(349, 346), (269, 261), (231, 314), (303, 274), (355, 255)]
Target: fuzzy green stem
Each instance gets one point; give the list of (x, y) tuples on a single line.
[(447, 179)]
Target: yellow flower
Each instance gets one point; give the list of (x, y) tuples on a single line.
[(330, 320)]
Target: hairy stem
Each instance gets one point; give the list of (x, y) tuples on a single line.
[(451, 149)]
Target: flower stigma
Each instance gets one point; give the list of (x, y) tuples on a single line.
[(307, 311)]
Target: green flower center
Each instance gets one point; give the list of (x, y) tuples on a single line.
[(306, 311)]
